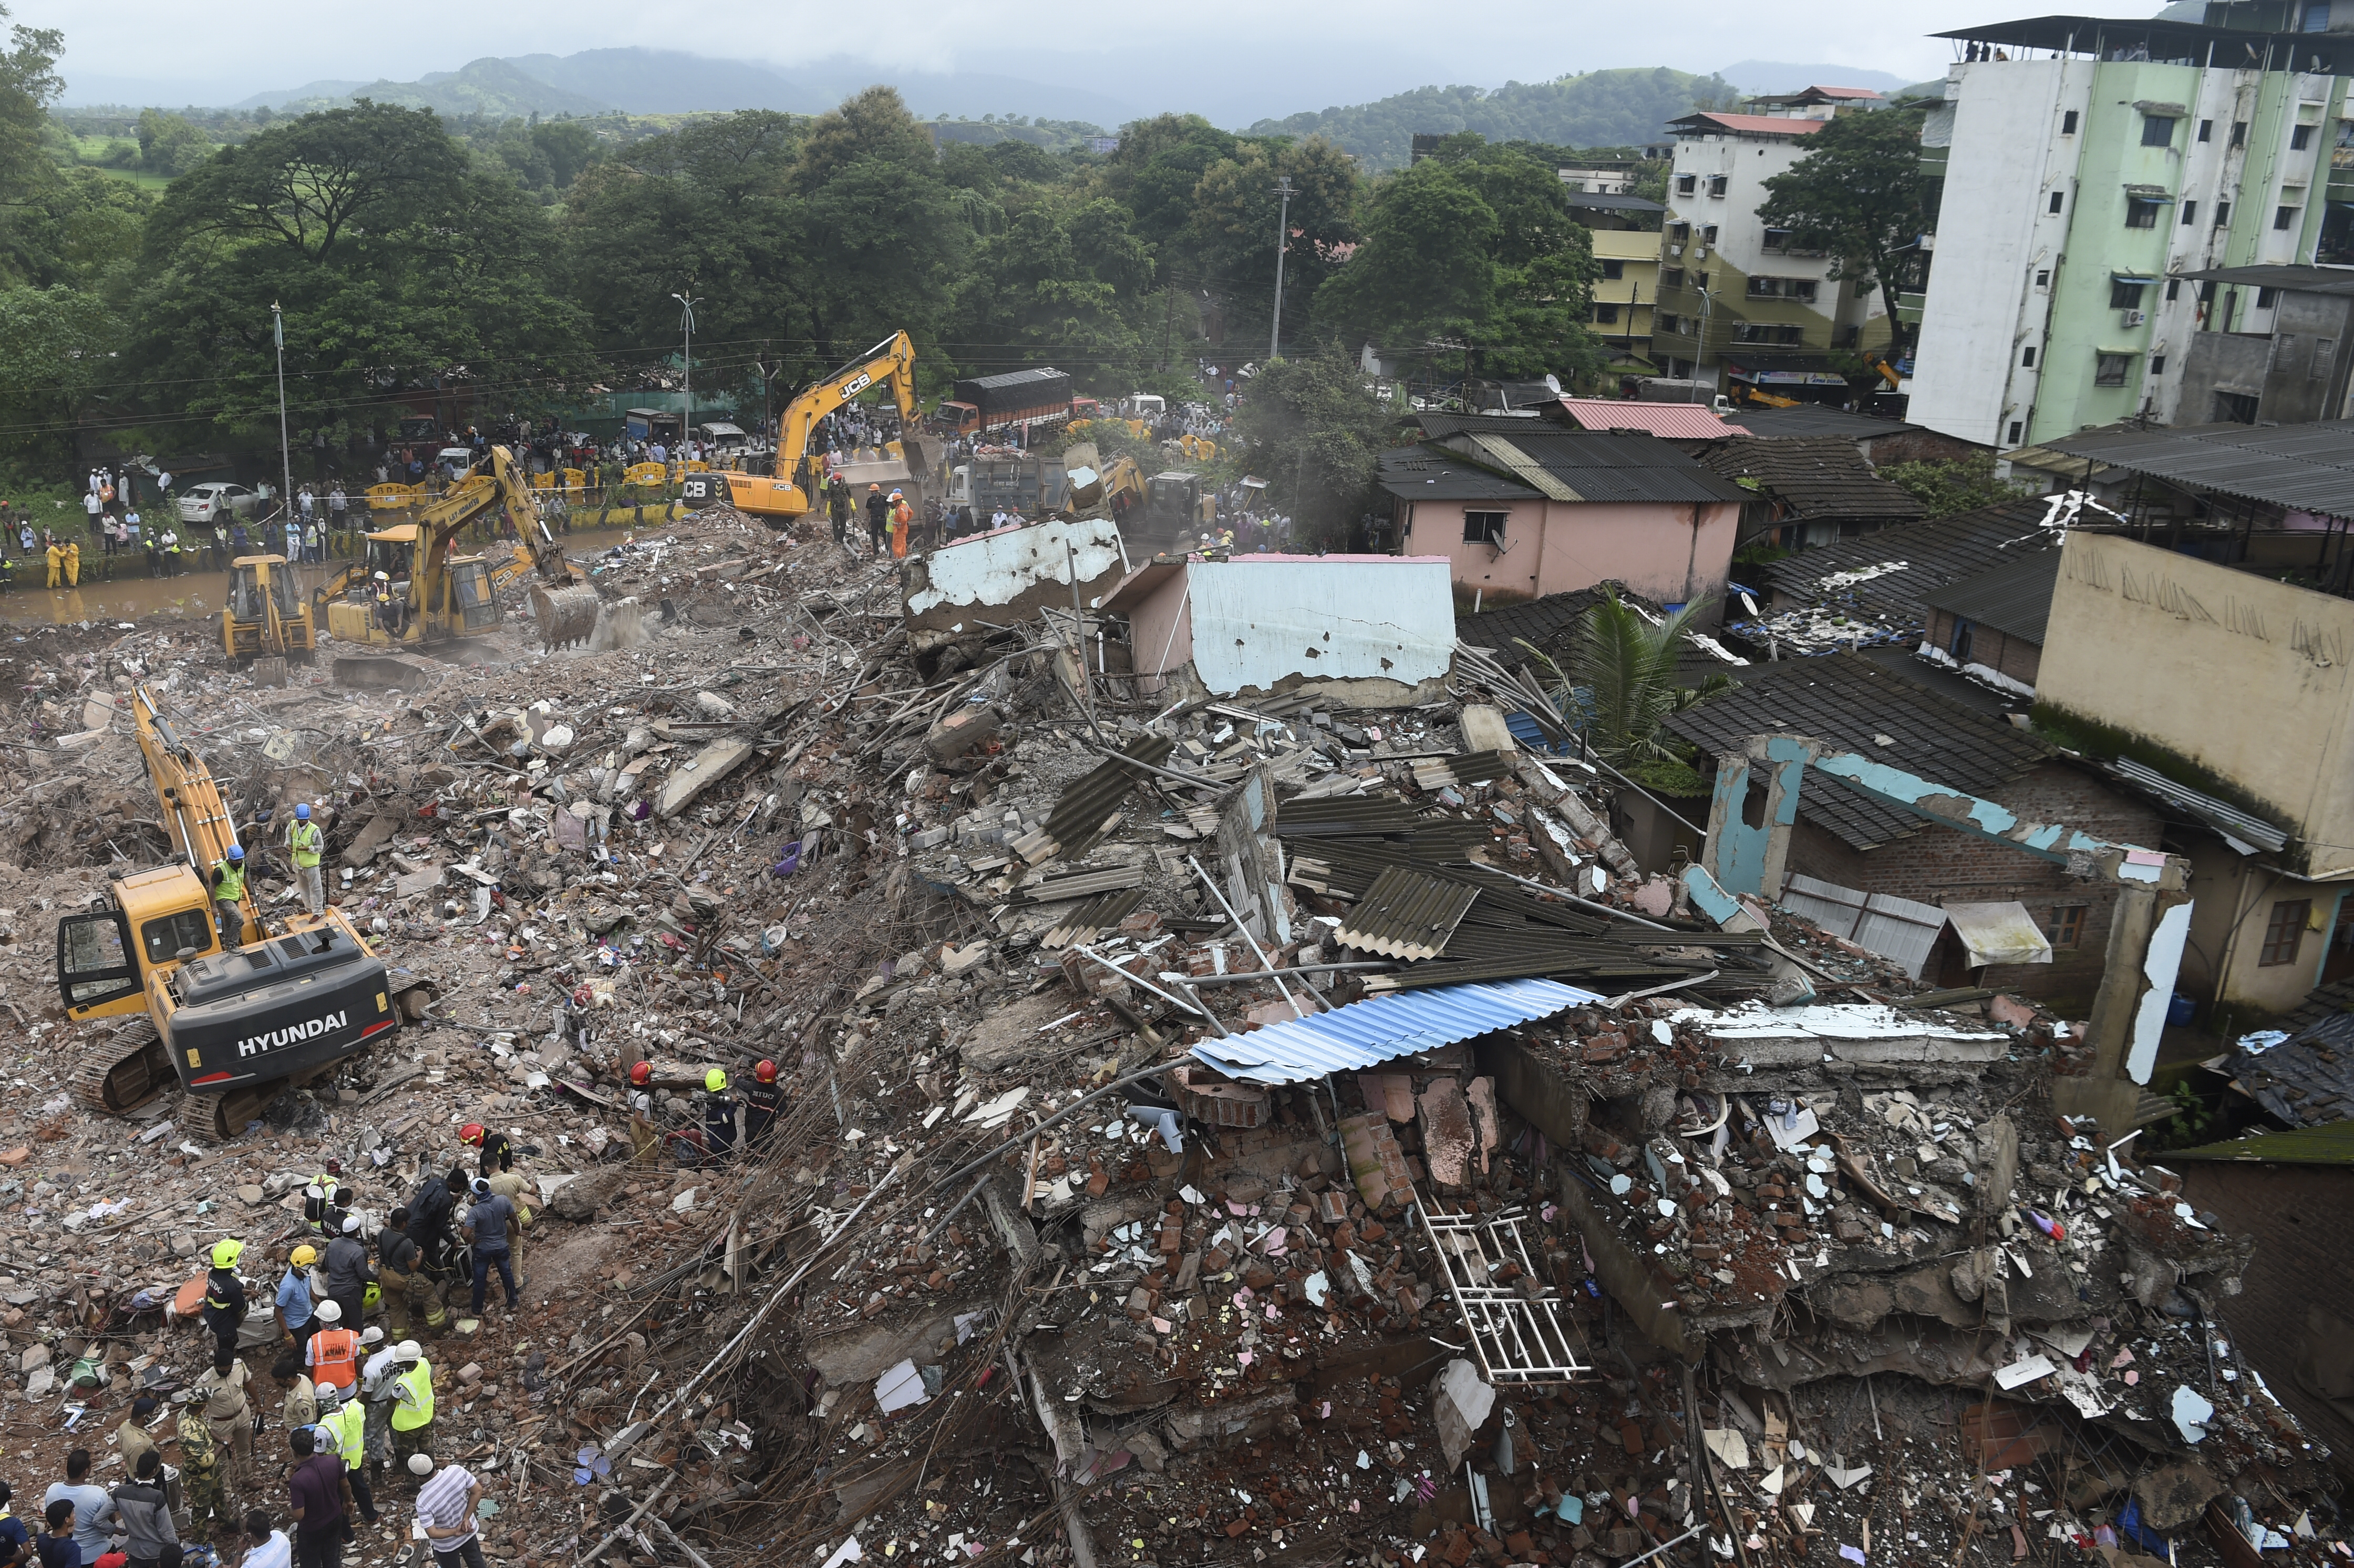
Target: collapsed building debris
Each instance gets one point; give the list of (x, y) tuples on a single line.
[(1220, 1126)]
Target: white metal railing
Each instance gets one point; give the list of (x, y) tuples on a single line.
[(1520, 1340)]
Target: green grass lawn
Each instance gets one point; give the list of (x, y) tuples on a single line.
[(89, 150)]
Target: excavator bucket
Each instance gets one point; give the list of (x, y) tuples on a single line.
[(566, 615)]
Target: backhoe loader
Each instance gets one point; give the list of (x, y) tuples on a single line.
[(237, 1025), (791, 490), (266, 616), (429, 597)]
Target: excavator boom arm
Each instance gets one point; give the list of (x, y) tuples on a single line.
[(196, 813), (892, 361)]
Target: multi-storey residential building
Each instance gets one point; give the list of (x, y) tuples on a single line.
[(2081, 184), (1626, 230), (1738, 304)]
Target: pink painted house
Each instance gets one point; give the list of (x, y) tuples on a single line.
[(1521, 510)]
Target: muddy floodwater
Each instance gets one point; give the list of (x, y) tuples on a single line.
[(198, 594)]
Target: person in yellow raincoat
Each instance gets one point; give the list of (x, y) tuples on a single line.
[(902, 517), (73, 563), (56, 562)]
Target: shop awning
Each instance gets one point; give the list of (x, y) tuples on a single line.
[(1999, 933)]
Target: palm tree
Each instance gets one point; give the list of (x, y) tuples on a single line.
[(1621, 686)]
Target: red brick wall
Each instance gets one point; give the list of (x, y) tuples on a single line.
[(2303, 1221), (1940, 866), (2008, 655)]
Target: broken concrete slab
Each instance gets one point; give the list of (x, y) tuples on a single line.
[(712, 764)]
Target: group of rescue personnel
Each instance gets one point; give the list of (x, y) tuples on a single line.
[(362, 1398)]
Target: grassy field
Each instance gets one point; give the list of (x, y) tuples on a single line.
[(89, 150)]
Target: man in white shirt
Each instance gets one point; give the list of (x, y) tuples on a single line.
[(445, 1507), (265, 1547)]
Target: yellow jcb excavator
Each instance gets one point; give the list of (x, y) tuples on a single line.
[(791, 490), (235, 1024), (410, 592), (266, 616)]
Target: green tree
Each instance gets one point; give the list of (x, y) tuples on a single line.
[(168, 145), (1061, 283), (396, 261), (1959, 484), (1227, 247), (57, 349), (1621, 681), (1860, 195), (710, 210), (1312, 426), (1428, 266), (884, 237)]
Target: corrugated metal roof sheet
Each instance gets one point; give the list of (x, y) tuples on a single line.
[(1851, 703), (2310, 467), (1813, 476), (2223, 817), (2014, 600), (1383, 1028), (1818, 419), (2330, 1145), (1407, 915), (1597, 466), (1669, 421), (1901, 931), (1083, 808), (1427, 474)]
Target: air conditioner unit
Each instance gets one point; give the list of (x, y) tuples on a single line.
[(2136, 318), (1674, 251)]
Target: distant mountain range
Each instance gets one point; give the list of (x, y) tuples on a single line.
[(1777, 76), (661, 82), (1596, 109)]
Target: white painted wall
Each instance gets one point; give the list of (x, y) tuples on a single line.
[(1996, 233), (1256, 622)]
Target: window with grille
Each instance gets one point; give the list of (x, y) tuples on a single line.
[(2285, 932), (1483, 528)]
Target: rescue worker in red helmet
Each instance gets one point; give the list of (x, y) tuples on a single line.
[(498, 1154), (762, 1103), (642, 1137)]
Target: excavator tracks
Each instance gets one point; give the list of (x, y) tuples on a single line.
[(126, 1069)]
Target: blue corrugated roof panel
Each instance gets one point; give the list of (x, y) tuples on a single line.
[(1381, 1028)]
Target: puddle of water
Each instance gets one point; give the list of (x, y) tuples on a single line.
[(192, 595)]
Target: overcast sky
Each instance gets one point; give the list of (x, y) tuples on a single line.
[(1281, 58)]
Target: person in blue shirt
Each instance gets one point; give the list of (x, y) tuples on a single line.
[(16, 1540), (294, 1314)]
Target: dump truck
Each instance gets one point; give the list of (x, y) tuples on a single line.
[(980, 405), (1033, 486), (235, 1022)]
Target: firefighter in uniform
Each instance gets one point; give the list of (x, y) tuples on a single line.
[(224, 1311), (762, 1103)]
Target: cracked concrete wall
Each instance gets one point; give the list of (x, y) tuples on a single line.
[(1255, 623)]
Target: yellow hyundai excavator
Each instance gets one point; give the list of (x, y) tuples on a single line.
[(235, 1024), (791, 490), (410, 592)]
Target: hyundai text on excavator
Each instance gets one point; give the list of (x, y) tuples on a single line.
[(236, 1025), (791, 490), (434, 596), (266, 616)]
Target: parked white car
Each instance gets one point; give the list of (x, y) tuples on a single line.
[(216, 497)]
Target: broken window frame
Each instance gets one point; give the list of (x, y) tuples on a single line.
[(1518, 1343)]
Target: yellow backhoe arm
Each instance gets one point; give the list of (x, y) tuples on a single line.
[(892, 361), (196, 814)]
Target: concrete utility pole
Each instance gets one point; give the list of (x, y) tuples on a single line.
[(1282, 240), (285, 454), (686, 416)]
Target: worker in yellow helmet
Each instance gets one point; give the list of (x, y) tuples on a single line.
[(719, 1116)]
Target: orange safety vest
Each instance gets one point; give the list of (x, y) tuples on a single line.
[(335, 1355)]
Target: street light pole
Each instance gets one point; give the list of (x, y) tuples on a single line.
[(686, 416), (1282, 242), (285, 454)]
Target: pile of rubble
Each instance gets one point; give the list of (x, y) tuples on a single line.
[(1250, 1128)]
